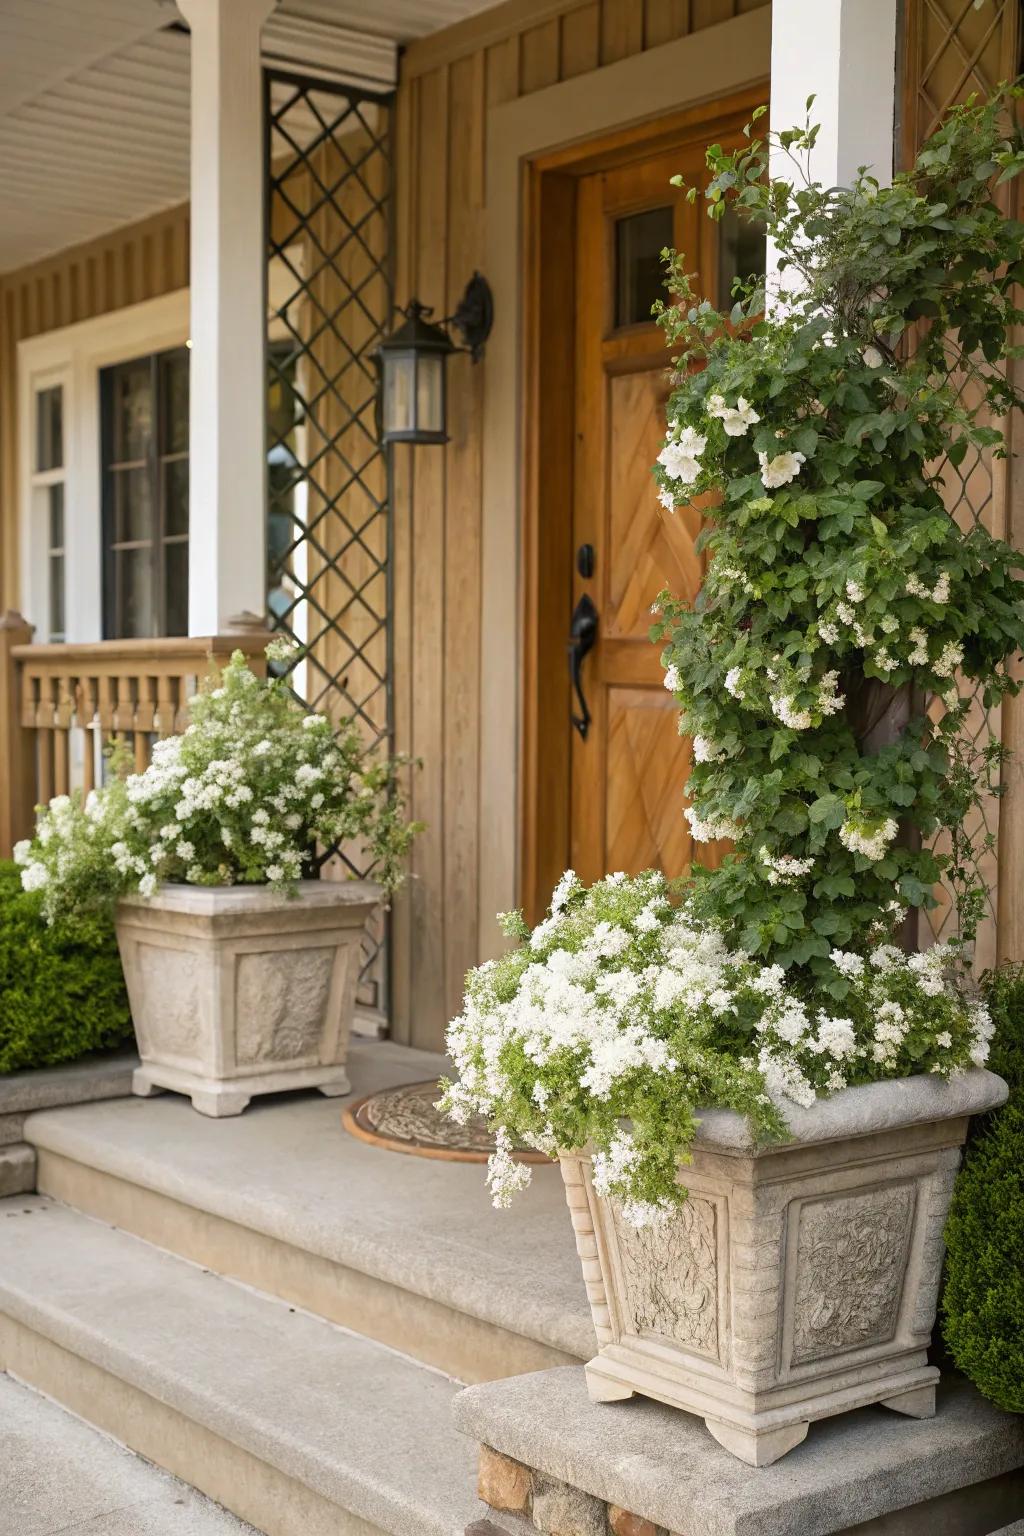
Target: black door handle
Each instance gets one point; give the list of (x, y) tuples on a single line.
[(582, 636)]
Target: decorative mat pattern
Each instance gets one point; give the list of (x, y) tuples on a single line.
[(404, 1119)]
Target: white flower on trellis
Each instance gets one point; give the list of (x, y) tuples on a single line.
[(780, 470), (869, 839), (672, 680), (736, 419), (732, 682), (680, 456), (784, 868), (668, 501)]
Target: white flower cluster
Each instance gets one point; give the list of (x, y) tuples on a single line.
[(829, 701), (736, 419), (915, 587), (784, 868), (707, 751), (680, 456), (625, 1003), (708, 829), (871, 839)]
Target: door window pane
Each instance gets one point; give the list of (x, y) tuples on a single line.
[(741, 253), (50, 428), (640, 239)]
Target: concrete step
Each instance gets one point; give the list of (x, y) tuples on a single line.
[(405, 1250), (291, 1423), (102, 1490)]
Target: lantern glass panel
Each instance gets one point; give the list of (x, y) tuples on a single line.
[(399, 392), (430, 393)]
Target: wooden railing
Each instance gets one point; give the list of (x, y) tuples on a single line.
[(61, 704)]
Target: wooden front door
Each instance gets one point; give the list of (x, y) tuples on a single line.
[(603, 774), (629, 766)]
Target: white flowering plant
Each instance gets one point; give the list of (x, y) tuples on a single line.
[(819, 669), (244, 796), (625, 1012)]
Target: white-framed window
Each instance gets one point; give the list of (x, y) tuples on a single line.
[(74, 359), (103, 470)]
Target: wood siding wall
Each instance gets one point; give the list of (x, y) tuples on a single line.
[(140, 261), (449, 81)]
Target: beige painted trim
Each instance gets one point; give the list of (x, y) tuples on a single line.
[(700, 68)]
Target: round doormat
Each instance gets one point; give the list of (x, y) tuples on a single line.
[(404, 1119)]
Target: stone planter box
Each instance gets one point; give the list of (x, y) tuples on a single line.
[(798, 1281), (236, 990)]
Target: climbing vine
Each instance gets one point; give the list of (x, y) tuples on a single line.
[(819, 672)]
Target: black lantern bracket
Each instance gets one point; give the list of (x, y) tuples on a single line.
[(474, 316)]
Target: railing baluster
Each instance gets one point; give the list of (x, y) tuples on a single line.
[(57, 695)]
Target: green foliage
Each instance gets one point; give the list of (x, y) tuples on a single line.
[(61, 989), (840, 593), (983, 1296), (243, 796), (1004, 995)]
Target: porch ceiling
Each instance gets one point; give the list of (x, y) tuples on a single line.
[(94, 107)]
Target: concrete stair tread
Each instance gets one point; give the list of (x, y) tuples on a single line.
[(103, 1489), (288, 1169), (362, 1426)]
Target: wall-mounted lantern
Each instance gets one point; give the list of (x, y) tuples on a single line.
[(411, 364)]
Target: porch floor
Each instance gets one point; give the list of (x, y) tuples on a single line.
[(287, 1169)]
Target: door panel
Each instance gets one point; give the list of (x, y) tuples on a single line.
[(627, 773)]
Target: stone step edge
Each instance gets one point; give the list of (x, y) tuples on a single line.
[(566, 1339), (435, 1333), (183, 1427), (662, 1465)]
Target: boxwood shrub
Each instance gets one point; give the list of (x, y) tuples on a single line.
[(983, 1301), (62, 990)]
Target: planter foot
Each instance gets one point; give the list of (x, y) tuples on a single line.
[(919, 1403), (143, 1086), (219, 1105), (602, 1389), (758, 1450), (336, 1089)]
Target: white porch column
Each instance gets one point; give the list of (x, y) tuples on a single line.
[(843, 52), (227, 469)]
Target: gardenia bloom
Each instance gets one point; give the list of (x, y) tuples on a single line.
[(870, 840), (780, 470), (736, 419), (680, 456)]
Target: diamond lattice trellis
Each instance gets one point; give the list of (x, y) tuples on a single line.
[(328, 221), (952, 49)]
